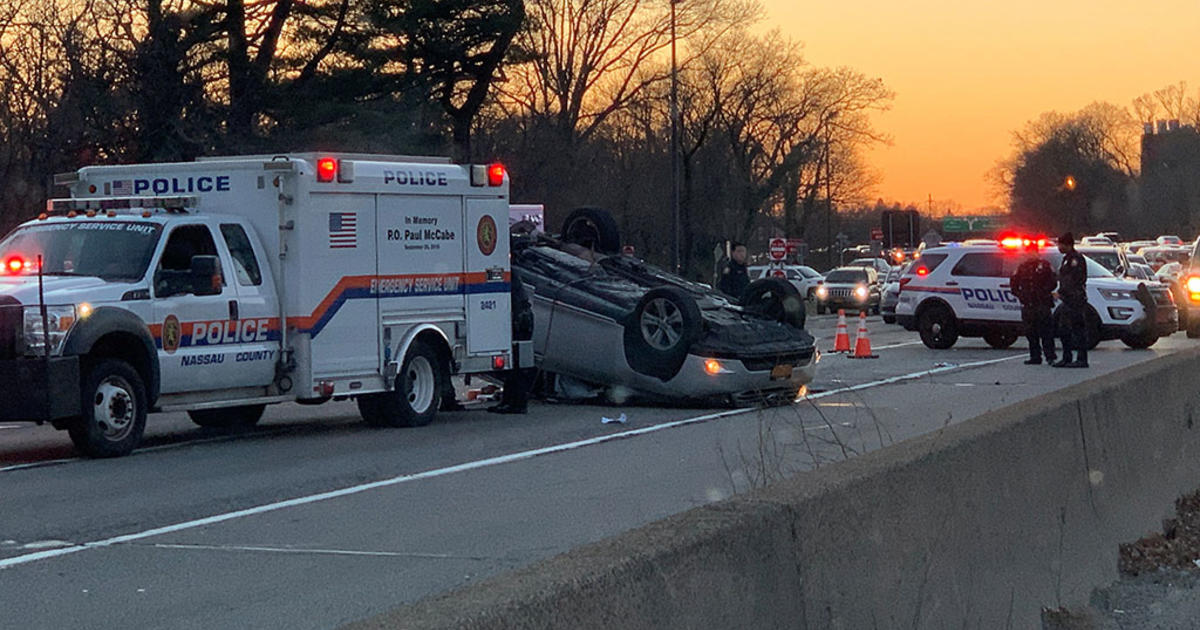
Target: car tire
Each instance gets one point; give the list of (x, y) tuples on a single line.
[(889, 319), (415, 395), (660, 330), (1000, 340), (938, 327), (1140, 342), (228, 417), (113, 404), (593, 228), (775, 299), (1092, 319), (820, 309)]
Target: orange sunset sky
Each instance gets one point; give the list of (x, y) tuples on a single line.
[(968, 73)]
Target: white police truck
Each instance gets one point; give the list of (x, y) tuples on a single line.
[(963, 291), (219, 286)]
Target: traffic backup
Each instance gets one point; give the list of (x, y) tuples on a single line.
[(963, 291), (220, 286)]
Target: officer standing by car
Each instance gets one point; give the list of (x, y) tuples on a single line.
[(735, 277), (1072, 289), (1033, 284)]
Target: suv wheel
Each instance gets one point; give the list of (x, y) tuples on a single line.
[(938, 327), (1000, 340)]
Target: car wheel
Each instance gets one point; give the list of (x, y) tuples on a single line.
[(415, 395), (889, 319), (820, 309), (228, 417), (593, 228), (660, 330), (1140, 342), (113, 417), (938, 328), (1000, 340), (775, 299)]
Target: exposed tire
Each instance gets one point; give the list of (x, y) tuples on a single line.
[(228, 417), (660, 330), (1000, 340), (593, 228), (776, 299), (938, 327), (415, 395), (114, 403), (1140, 342)]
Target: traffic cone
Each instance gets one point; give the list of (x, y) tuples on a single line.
[(841, 342), (862, 341)]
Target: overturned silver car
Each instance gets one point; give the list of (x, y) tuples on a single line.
[(637, 331)]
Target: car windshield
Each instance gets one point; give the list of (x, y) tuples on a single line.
[(112, 250), (1095, 269), (846, 276)]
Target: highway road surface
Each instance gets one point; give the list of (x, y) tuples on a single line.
[(313, 519)]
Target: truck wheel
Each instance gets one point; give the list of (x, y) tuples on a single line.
[(1000, 340), (937, 327), (415, 395), (659, 332), (114, 405), (228, 417), (593, 228), (776, 299), (1140, 342)]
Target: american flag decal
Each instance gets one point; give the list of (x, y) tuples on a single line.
[(122, 187), (343, 230)]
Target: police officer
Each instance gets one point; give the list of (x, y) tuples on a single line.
[(518, 381), (1033, 284), (1072, 289), (735, 277)]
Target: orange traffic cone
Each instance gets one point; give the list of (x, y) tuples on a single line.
[(841, 342), (862, 341)]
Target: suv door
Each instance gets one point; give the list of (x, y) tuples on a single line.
[(984, 286), (196, 337)]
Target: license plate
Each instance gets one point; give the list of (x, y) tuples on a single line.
[(781, 372)]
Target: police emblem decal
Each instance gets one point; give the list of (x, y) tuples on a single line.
[(485, 234), (171, 334)]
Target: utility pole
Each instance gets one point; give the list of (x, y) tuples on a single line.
[(829, 188), (676, 260)]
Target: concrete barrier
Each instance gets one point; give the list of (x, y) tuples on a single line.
[(979, 525)]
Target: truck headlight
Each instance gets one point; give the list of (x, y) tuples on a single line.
[(1116, 295), (59, 320)]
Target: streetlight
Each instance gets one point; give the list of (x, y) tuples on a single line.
[(676, 261), (1069, 183)]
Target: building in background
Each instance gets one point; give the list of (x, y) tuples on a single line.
[(1170, 177)]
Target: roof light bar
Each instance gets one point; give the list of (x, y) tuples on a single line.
[(121, 203)]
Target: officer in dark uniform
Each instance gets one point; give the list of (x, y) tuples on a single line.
[(1072, 289), (518, 381), (734, 277), (1033, 284)]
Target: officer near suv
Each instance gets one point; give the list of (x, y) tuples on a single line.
[(1033, 284), (1072, 289)]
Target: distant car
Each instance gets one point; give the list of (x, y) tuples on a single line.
[(1169, 240), (1114, 237), (804, 278), (1156, 257), (880, 265), (634, 330), (1096, 240), (854, 288), (1136, 259), (891, 293), (1110, 257), (1141, 271), (1136, 247)]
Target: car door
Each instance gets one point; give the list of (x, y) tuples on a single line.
[(195, 334), (984, 287)]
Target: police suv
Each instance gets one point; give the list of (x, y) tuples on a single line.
[(219, 286), (963, 291)]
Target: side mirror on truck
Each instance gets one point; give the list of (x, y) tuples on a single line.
[(206, 275)]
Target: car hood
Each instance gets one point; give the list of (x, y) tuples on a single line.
[(63, 289)]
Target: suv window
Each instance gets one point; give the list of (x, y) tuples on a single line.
[(980, 265), (929, 261), (847, 276), (245, 263)]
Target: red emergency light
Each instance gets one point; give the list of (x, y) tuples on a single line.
[(496, 174), (14, 265), (326, 169)]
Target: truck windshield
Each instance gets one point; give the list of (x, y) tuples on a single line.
[(111, 250)]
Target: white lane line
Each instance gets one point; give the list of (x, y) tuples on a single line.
[(10, 426), (325, 552), (898, 345), (450, 470)]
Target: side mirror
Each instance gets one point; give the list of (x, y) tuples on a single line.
[(206, 275)]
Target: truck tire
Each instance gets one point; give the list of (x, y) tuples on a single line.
[(415, 395), (938, 327), (228, 417), (593, 228), (114, 401), (776, 299), (660, 330), (1000, 340)]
